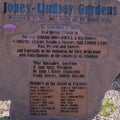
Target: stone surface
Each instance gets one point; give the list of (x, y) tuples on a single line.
[(114, 97), (5, 108), (58, 61), (116, 83)]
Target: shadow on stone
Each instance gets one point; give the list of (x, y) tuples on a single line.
[(116, 83)]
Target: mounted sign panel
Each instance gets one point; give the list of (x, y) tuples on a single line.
[(58, 58)]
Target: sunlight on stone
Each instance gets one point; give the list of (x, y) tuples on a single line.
[(5, 108)]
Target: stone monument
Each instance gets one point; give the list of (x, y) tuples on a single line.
[(57, 57)]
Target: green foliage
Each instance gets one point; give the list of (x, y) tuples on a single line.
[(5, 118), (107, 108)]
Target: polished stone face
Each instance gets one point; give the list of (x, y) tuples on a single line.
[(58, 58)]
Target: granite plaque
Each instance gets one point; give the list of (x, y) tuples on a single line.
[(58, 58)]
